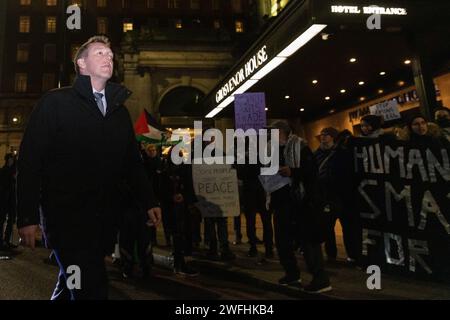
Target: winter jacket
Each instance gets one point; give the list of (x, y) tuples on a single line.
[(72, 162)]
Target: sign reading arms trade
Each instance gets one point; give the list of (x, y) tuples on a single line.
[(244, 73), (370, 10)]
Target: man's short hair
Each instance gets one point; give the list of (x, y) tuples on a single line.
[(283, 126), (83, 50)]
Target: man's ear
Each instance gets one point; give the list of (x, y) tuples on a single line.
[(81, 63)]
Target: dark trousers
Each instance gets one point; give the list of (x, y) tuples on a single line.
[(180, 241), (254, 201), (266, 218), (237, 227), (351, 235), (221, 232), (134, 233), (167, 222), (7, 215), (330, 236), (196, 221), (286, 232), (2, 224), (93, 280)]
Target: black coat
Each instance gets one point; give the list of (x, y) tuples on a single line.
[(72, 162)]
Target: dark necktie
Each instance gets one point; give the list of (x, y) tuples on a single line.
[(99, 100)]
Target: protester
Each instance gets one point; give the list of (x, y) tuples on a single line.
[(419, 132), (346, 189), (333, 160), (211, 233), (371, 127), (326, 157), (254, 201), (179, 194), (298, 212), (442, 118)]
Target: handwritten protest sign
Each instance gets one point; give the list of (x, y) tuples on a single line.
[(250, 111), (216, 188)]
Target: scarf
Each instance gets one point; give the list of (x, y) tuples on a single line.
[(292, 151)]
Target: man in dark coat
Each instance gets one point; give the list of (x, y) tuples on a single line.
[(78, 147)]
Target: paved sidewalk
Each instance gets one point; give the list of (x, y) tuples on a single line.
[(348, 281)]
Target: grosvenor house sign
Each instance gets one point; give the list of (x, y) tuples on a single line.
[(248, 69)]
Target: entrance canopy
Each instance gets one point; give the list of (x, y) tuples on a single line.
[(319, 57)]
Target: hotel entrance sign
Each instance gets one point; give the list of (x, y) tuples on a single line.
[(369, 10)]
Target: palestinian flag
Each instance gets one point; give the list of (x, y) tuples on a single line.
[(148, 130)]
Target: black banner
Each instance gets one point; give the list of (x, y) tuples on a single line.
[(403, 199)]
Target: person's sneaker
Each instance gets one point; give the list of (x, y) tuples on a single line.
[(252, 253), (185, 271), (289, 280), (227, 256), (318, 286)]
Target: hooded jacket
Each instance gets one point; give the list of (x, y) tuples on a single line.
[(72, 162)]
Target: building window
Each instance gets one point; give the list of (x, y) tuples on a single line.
[(236, 6), (195, 4), (216, 5), (101, 3), (178, 24), (50, 53), (23, 52), (102, 25), (52, 3), (127, 26), (50, 25), (239, 26), (173, 4), (25, 2), (217, 24), (24, 24), (150, 4), (48, 81), (21, 80)]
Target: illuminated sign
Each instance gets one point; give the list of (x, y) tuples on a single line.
[(242, 74), (369, 10)]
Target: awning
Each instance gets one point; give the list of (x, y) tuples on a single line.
[(319, 56)]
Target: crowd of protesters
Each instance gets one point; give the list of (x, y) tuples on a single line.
[(299, 217)]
